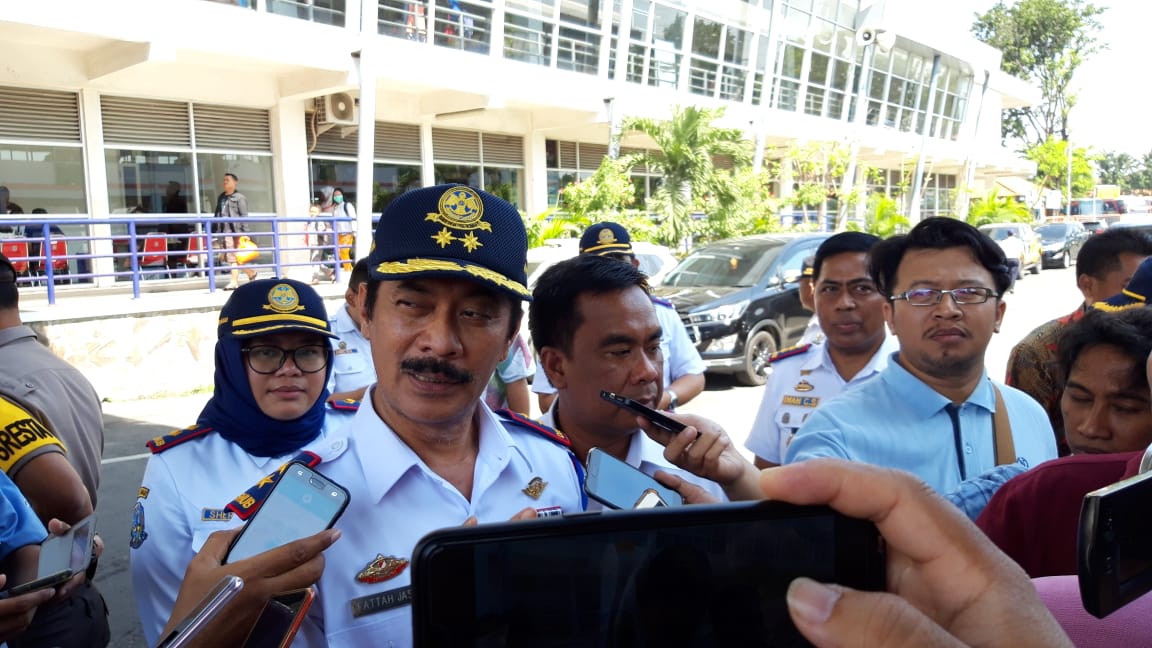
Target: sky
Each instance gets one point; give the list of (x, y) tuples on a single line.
[(1115, 103)]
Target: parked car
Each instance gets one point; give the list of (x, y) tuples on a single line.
[(1095, 226), (1030, 261), (1061, 242), (740, 300), (655, 260)]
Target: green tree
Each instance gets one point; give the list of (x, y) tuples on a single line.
[(1042, 41), (688, 144), (754, 211), (993, 209), (1051, 160), (817, 171), (882, 217), (1116, 168), (608, 191), (549, 224)]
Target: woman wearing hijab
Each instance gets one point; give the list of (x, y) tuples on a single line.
[(273, 360)]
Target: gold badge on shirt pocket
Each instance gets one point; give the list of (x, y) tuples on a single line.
[(535, 488), (803, 386), (382, 568)]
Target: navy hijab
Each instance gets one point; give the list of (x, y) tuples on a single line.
[(232, 411)]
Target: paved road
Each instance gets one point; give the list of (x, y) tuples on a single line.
[(128, 425)]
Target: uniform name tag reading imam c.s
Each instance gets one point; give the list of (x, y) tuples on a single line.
[(381, 602), (801, 401)]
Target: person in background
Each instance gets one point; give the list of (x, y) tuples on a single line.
[(319, 236), (806, 292), (1014, 250), (508, 388), (174, 203), (232, 204), (345, 227), (352, 370), (1104, 266)]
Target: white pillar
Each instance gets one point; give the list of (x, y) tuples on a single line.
[(427, 169), (535, 173), (92, 127), (290, 178), (365, 151)]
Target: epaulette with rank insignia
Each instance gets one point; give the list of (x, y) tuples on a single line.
[(519, 420), (248, 502), (799, 349), (176, 437), (346, 405), (663, 302)]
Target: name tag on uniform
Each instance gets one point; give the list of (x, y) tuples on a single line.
[(215, 515), (347, 350), (376, 603), (800, 401)]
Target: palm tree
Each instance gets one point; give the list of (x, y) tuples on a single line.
[(688, 145)]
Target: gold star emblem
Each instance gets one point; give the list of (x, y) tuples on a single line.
[(267, 479), (471, 242), (443, 237), (535, 488)]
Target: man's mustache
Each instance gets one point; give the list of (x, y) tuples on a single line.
[(434, 365)]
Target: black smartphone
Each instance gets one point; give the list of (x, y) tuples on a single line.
[(61, 558), (1115, 545), (617, 485), (302, 503), (206, 610), (658, 419), (280, 620), (701, 576)]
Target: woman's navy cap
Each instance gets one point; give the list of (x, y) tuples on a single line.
[(268, 306), (452, 230)]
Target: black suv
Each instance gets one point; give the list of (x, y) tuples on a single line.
[(740, 300)]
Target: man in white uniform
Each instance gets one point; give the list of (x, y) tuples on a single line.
[(441, 307), (596, 329), (352, 369), (850, 312), (683, 372)]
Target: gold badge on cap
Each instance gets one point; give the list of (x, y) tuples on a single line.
[(460, 209), (535, 488), (382, 568), (606, 236), (803, 386), (283, 298)]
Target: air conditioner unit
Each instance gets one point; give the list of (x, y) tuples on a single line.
[(339, 108)]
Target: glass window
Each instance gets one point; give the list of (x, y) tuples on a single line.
[(706, 37), (42, 176), (254, 179), (141, 182), (389, 179), (668, 26), (463, 25), (461, 173), (503, 182), (581, 12)]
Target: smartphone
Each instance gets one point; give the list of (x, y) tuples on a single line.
[(701, 576), (206, 610), (302, 503), (61, 558), (280, 620), (661, 421), (1114, 548), (618, 485)]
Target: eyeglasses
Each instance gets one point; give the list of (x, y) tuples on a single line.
[(932, 296), (266, 359)]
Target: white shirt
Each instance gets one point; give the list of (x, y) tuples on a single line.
[(680, 356), (647, 456), (798, 385), (397, 499), (1013, 247), (352, 366), (182, 501)]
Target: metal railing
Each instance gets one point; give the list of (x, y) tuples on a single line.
[(68, 253)]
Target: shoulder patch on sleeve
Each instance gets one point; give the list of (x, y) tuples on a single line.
[(247, 503), (21, 434), (176, 437), (660, 301), (799, 349), (346, 405), (508, 417)]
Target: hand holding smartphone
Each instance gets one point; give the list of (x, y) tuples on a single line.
[(661, 421), (61, 558), (303, 503), (1115, 545), (617, 485), (206, 610)]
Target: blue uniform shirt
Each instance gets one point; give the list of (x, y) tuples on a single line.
[(19, 525), (896, 420)]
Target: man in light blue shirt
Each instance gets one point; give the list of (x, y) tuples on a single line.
[(352, 369), (931, 410)]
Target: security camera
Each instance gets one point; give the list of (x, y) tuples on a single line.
[(865, 36)]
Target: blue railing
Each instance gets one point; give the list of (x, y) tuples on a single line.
[(61, 251)]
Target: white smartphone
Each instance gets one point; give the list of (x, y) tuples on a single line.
[(61, 558), (205, 611), (302, 503), (618, 485)]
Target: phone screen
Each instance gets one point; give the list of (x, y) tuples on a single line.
[(620, 486), (70, 552), (697, 576), (278, 623), (303, 503)]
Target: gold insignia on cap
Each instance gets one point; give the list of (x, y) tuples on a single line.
[(606, 236), (470, 242), (535, 488), (460, 208), (283, 298), (425, 265), (803, 386)]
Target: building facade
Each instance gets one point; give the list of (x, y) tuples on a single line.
[(127, 106)]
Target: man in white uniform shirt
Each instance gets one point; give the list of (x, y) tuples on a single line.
[(851, 313), (352, 370), (596, 329), (683, 372)]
